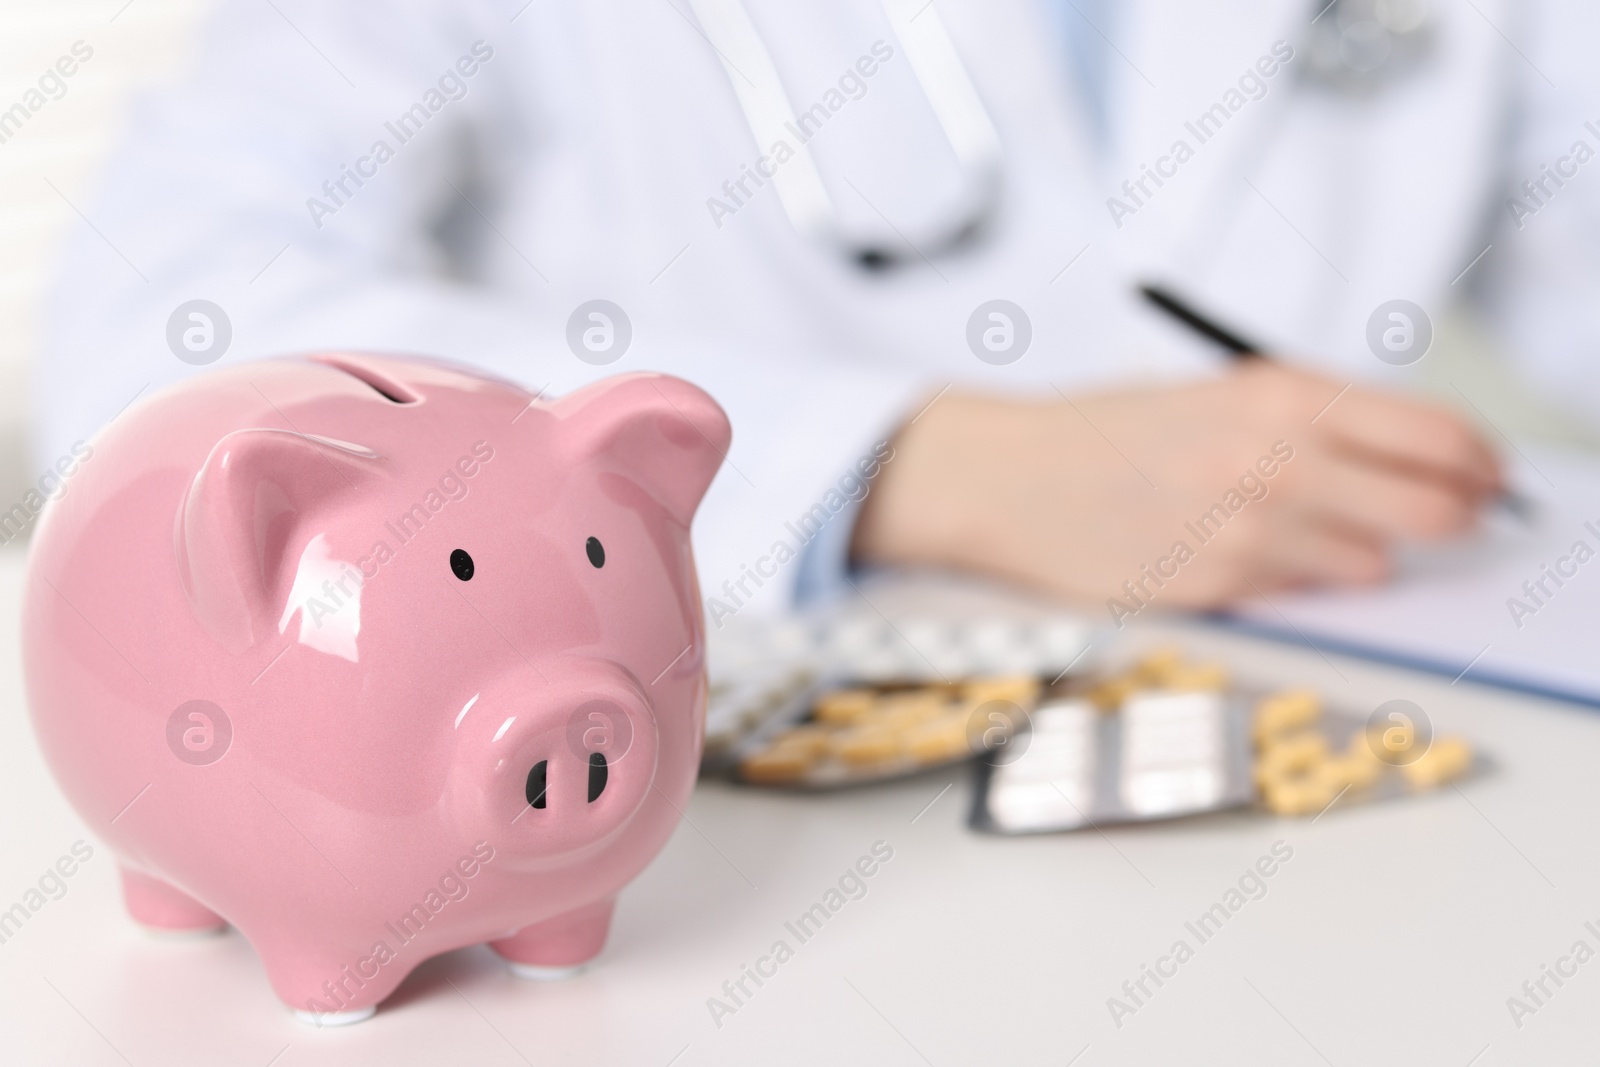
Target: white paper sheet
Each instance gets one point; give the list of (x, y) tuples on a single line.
[(1517, 604)]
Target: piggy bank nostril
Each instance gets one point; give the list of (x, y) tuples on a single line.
[(598, 772), (535, 790)]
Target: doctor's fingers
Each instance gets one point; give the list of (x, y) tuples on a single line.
[(1379, 500), (1263, 549), (1305, 551), (1420, 438)]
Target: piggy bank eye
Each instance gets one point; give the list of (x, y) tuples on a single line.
[(461, 564), (597, 551)]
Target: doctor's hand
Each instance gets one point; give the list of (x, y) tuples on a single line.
[(1184, 496)]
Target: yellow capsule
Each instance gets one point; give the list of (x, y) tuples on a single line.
[(907, 708), (1392, 744), (1020, 689), (1110, 694), (1155, 668), (1202, 678), (1293, 709), (843, 706), (1352, 771), (1360, 748), (1299, 795), (939, 740), (865, 745), (1292, 754), (778, 765), (1446, 759), (810, 741)]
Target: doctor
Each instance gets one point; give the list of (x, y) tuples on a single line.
[(898, 241)]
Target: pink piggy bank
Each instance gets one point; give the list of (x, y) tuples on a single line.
[(375, 658)]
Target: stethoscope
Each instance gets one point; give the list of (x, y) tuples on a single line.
[(945, 83), (1353, 47)]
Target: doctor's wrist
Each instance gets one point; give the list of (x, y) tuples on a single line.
[(957, 480)]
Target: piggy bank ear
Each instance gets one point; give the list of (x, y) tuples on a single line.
[(236, 528), (670, 435)]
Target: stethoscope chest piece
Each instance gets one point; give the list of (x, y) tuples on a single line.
[(1359, 46)]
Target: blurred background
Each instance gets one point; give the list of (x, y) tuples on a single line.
[(136, 46), (49, 169)]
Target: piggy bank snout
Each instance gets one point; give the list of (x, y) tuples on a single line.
[(552, 773)]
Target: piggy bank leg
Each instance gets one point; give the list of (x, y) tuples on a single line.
[(157, 906), (320, 1019), (559, 947), (325, 985)]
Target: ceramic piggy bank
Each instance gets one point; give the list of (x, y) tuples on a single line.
[(375, 658)]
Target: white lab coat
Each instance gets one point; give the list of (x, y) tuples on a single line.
[(592, 142)]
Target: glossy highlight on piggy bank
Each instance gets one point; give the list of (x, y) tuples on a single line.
[(375, 658)]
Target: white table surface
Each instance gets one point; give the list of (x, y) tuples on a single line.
[(1395, 934)]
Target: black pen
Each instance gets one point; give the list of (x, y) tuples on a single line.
[(1242, 349), (1238, 347)]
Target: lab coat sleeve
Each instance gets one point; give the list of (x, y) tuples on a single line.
[(1542, 270), (304, 175), (824, 566)]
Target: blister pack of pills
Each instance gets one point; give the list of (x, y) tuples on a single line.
[(851, 734), (1167, 738), (912, 665)]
